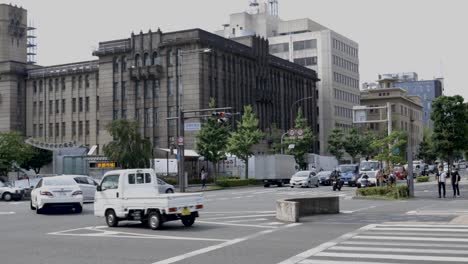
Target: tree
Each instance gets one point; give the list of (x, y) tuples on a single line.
[(450, 135), (301, 145), (368, 150), (426, 148), (336, 143), (129, 148), (353, 144), (247, 134), (212, 140), (40, 157), (12, 150), (392, 148)]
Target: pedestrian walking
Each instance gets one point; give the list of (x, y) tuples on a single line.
[(455, 177), (203, 175), (441, 182)]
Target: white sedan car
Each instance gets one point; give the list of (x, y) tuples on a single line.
[(87, 186), (57, 192)]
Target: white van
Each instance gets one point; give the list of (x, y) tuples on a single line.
[(134, 195)]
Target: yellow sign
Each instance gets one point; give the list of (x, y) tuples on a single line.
[(105, 165)]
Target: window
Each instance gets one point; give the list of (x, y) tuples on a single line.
[(57, 108), (56, 84), (50, 107), (87, 104), (156, 88), (278, 48), (80, 128), (34, 108), (63, 128), (63, 84), (155, 58), (40, 130), (124, 63), (40, 108), (137, 114), (115, 92), (146, 88), (34, 87), (34, 130), (138, 60), (139, 178), (74, 105), (51, 88), (146, 59), (51, 131), (80, 82), (155, 117), (115, 115), (137, 89), (110, 182), (308, 61), (87, 81), (306, 44), (73, 82), (80, 105), (63, 106), (147, 178), (57, 132), (116, 65), (147, 117), (87, 127), (124, 90), (97, 103), (97, 127), (170, 84)]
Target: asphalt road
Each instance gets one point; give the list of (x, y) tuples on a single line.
[(237, 226)]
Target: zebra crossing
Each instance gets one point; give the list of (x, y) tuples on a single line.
[(392, 243)]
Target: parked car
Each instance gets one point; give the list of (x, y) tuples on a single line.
[(372, 181), (8, 192), (324, 177), (399, 172), (304, 179), (57, 192), (349, 173), (87, 185), (165, 187), (134, 195)]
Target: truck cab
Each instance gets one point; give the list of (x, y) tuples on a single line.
[(133, 195)]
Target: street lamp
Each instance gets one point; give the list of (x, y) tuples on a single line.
[(292, 107), (179, 106)]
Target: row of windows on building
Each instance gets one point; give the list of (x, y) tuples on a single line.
[(307, 61), (343, 47), (345, 80), (139, 61), (146, 116), (297, 45), (345, 64), (404, 111), (60, 129), (343, 112), (57, 83), (344, 127), (149, 87), (403, 126), (345, 96), (77, 105)]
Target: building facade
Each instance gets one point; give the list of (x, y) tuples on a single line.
[(146, 77), (334, 57), (407, 113)]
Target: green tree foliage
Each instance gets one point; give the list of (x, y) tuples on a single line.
[(392, 148), (336, 143), (12, 150), (302, 145), (368, 150), (353, 144), (39, 158), (426, 148), (240, 142), (450, 115), (129, 149), (212, 140)]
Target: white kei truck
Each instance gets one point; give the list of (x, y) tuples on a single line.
[(133, 195)]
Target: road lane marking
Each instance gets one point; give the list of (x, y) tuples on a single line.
[(222, 245), (241, 212), (457, 230), (378, 233), (247, 220), (358, 210), (402, 250), (440, 239), (7, 213), (240, 216), (393, 257), (426, 245), (321, 261), (234, 224)]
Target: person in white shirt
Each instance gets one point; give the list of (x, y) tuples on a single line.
[(441, 181)]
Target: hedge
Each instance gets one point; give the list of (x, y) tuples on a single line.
[(422, 178), (229, 182), (396, 192)]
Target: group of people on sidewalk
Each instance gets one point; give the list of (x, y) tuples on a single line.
[(454, 178)]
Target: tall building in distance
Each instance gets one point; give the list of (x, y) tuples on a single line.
[(427, 90), (334, 57)]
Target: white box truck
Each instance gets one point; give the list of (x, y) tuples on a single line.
[(326, 163), (272, 169)]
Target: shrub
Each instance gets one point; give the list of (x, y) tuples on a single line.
[(232, 182), (422, 178), (396, 192)]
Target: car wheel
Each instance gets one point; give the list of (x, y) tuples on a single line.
[(154, 220), (266, 185), (32, 207), (169, 191), (188, 220), (111, 218), (78, 209), (6, 197), (317, 185), (38, 210), (280, 184)]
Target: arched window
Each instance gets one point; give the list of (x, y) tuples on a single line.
[(124, 63), (138, 60), (116, 65), (155, 58), (147, 59)]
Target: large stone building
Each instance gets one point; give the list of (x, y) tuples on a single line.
[(145, 77), (407, 113), (334, 57)]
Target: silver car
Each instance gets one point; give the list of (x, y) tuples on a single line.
[(165, 187), (304, 179)]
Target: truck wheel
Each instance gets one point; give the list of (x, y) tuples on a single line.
[(280, 184), (154, 220), (169, 191), (317, 185), (111, 218), (6, 197), (188, 220)]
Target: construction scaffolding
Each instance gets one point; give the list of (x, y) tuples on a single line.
[(32, 44)]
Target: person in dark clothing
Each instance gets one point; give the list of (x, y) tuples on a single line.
[(455, 177), (441, 182), (203, 175)]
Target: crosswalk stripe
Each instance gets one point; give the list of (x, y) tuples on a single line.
[(429, 245), (393, 257), (402, 250), (458, 230), (422, 225), (321, 261), (416, 234), (439, 239)]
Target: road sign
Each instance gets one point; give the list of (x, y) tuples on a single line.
[(300, 133), (291, 146), (292, 133), (192, 126), (180, 141)]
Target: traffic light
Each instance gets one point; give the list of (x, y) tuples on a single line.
[(221, 117)]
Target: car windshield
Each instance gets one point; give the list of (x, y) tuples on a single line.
[(371, 174), (346, 169), (369, 165), (301, 174), (324, 173), (58, 181)]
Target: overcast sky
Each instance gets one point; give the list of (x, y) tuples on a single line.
[(425, 36)]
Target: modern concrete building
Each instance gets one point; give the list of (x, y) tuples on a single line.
[(407, 113), (144, 77), (334, 57), (427, 90)]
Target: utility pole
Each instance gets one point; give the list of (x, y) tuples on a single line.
[(410, 158)]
